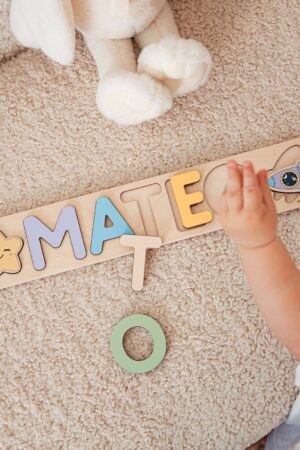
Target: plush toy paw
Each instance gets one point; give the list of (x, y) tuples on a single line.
[(129, 98), (182, 65)]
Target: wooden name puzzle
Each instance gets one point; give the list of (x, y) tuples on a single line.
[(171, 207)]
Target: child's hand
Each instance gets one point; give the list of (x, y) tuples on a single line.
[(246, 209)]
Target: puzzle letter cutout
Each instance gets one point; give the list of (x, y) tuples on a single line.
[(171, 207)]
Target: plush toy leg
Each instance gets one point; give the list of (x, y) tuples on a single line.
[(123, 95), (182, 65)]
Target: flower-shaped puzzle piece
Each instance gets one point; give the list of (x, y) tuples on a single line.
[(9, 254)]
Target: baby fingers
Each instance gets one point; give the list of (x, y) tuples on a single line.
[(265, 189), (252, 194), (234, 195)]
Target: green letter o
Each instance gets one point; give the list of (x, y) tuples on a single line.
[(158, 337)]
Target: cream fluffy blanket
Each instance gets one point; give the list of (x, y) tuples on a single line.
[(225, 380)]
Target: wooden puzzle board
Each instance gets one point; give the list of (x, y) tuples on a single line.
[(148, 206)]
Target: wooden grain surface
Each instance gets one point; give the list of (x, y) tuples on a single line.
[(148, 206)]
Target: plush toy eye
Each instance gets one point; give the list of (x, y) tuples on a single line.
[(289, 179)]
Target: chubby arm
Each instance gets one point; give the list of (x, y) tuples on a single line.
[(247, 212)]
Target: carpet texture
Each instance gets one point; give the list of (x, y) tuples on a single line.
[(225, 381)]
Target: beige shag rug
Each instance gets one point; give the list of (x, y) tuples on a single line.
[(225, 381)]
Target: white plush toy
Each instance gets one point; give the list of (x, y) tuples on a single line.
[(128, 93)]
